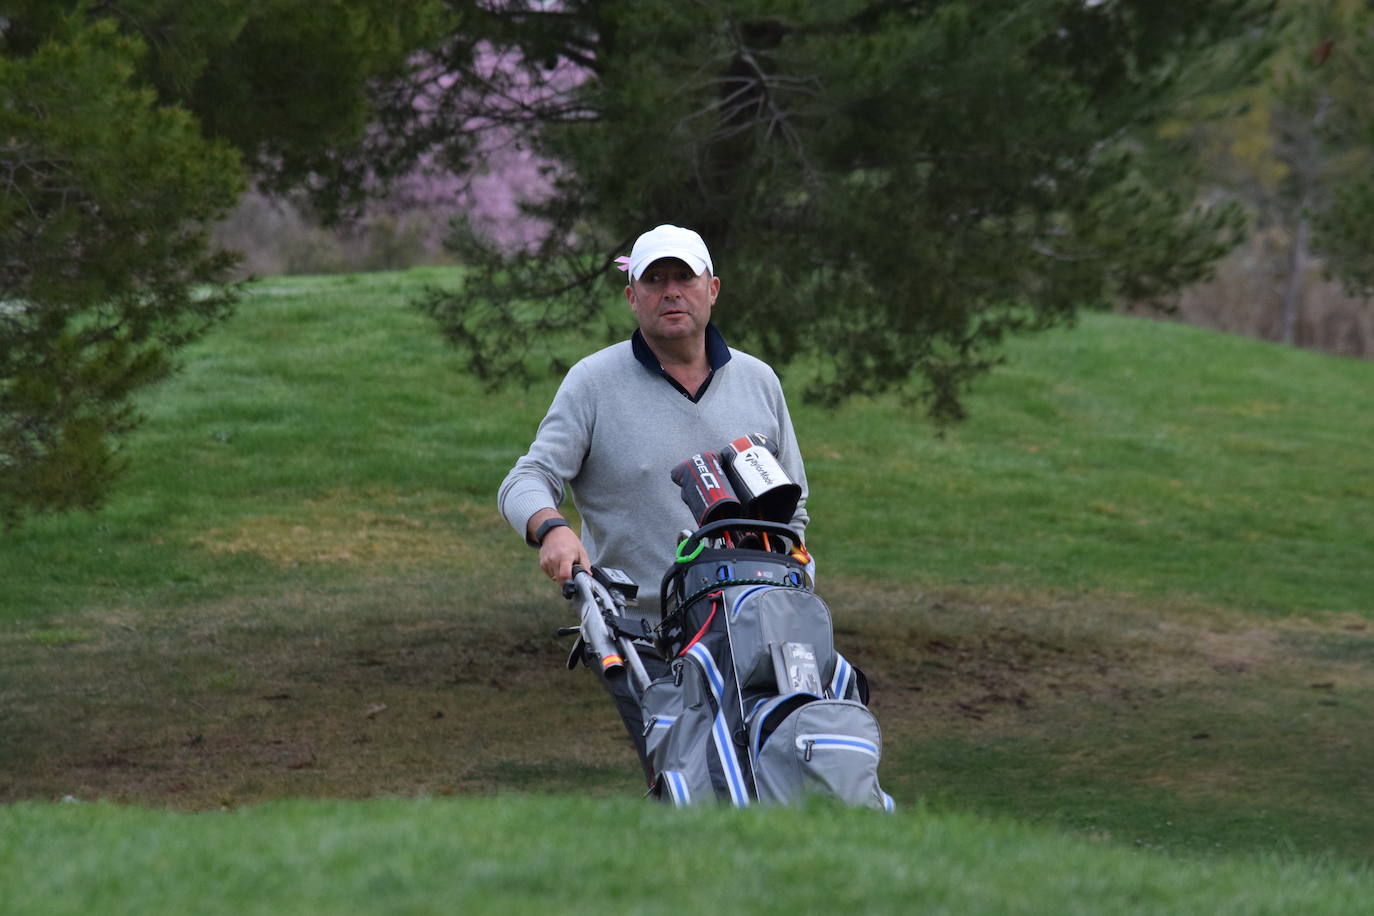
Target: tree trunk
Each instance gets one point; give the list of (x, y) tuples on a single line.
[(1291, 306), (1306, 162)]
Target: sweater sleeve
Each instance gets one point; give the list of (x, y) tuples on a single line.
[(789, 456), (539, 478)]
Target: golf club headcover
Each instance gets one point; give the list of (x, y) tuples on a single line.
[(760, 482), (706, 490)]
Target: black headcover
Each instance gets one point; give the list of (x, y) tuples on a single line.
[(706, 490)]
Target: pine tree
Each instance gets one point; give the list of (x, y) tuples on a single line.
[(125, 128), (889, 188), (101, 194)]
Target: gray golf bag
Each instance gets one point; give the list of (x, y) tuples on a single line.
[(756, 704)]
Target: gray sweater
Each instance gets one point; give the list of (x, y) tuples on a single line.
[(614, 433)]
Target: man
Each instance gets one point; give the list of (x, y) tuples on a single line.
[(625, 416)]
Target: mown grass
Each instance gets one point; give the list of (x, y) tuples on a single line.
[(325, 426), (1138, 457), (1128, 600), (1130, 456), (532, 855)]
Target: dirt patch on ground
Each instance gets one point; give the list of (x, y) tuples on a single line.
[(390, 689), (966, 660)]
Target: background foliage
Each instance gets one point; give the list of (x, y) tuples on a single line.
[(126, 128), (102, 195), (1294, 150), (890, 187)]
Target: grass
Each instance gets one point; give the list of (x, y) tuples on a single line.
[(1140, 458), (529, 855), (325, 424), (1124, 611), (1146, 459)]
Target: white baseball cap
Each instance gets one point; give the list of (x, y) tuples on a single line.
[(669, 242)]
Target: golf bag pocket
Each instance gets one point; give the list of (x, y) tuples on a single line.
[(764, 619), (801, 745), (661, 707), (689, 746)]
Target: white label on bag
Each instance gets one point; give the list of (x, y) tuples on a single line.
[(759, 471)]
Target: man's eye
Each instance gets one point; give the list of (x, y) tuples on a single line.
[(683, 278)]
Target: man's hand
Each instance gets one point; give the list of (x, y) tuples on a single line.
[(561, 547), (560, 550)]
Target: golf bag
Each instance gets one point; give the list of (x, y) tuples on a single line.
[(757, 704)]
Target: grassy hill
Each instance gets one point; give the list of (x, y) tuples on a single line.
[(1127, 603)]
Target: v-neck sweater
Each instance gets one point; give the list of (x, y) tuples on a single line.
[(613, 435)]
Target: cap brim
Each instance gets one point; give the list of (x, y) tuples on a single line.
[(690, 258)]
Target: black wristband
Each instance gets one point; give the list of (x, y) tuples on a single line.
[(549, 524)]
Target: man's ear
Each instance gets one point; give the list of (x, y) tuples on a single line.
[(630, 296)]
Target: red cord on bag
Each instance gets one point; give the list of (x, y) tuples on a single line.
[(715, 603)]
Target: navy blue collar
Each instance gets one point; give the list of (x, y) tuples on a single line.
[(717, 355)]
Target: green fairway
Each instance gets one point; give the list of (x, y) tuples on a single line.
[(1118, 627), (527, 855), (1144, 458)]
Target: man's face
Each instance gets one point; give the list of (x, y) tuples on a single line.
[(671, 302)]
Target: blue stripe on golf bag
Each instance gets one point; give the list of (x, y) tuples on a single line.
[(839, 684), (720, 729), (708, 664), (739, 601), (842, 742), (677, 787), (763, 708), (749, 714)]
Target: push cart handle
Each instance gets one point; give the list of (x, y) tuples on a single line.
[(570, 585)]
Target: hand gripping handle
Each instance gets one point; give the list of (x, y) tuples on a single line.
[(594, 629)]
